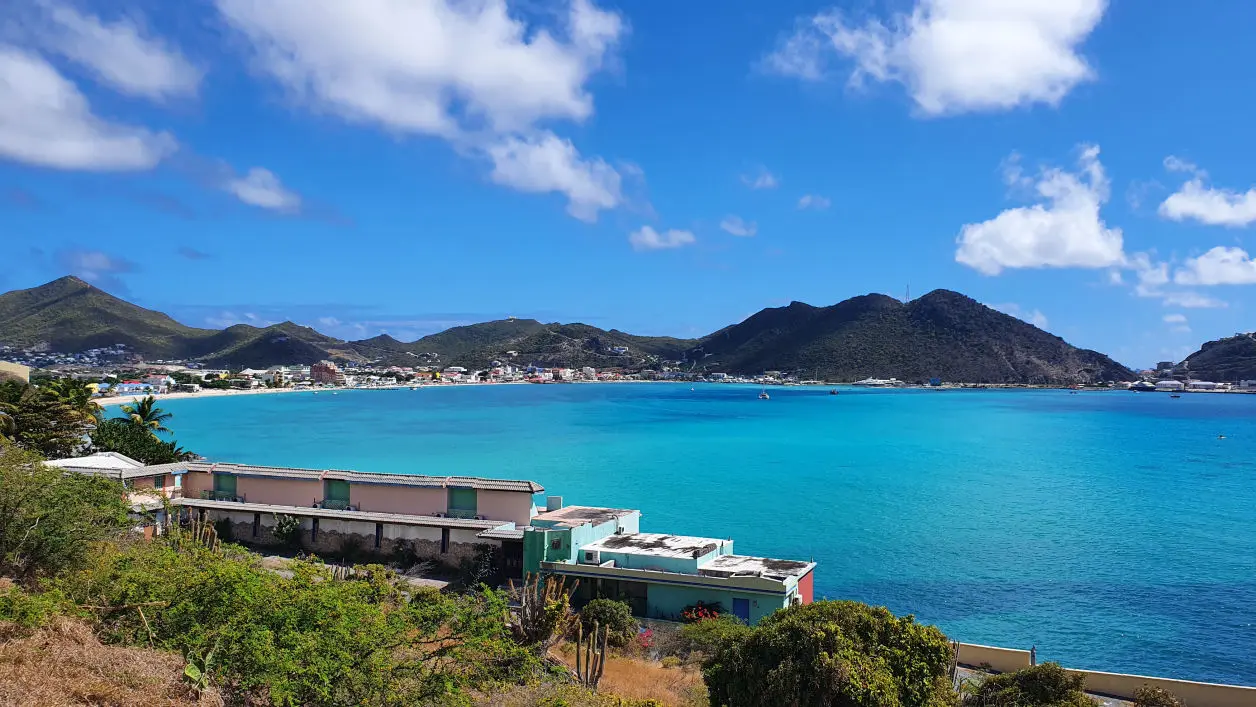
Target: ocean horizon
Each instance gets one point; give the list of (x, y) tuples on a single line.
[(1111, 530)]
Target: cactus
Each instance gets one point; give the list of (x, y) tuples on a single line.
[(544, 614), (592, 648)]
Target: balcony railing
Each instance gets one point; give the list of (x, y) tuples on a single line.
[(221, 496), (460, 513), (335, 505)]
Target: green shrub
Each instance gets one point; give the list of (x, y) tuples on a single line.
[(611, 614), (287, 530), (32, 610), (1045, 685), (1151, 696), (671, 661), (304, 639), (708, 636), (50, 520), (832, 653)]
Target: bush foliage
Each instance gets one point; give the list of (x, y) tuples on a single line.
[(833, 654), (613, 615), (51, 521), (1045, 685)]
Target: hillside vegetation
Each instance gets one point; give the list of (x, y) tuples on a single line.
[(943, 334)]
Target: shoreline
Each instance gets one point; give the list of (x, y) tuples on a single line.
[(212, 393)]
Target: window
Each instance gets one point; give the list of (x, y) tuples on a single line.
[(462, 503), (224, 487), (178, 481), (556, 544), (335, 494)]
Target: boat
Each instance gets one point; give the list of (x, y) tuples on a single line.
[(877, 383), (1143, 387), (763, 395), (833, 392), (1175, 395)]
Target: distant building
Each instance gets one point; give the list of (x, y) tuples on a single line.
[(15, 370), (1205, 385), (589, 372), (326, 373), (159, 383), (1170, 385), (619, 350)]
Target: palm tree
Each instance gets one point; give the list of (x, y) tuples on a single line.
[(75, 395), (146, 414)]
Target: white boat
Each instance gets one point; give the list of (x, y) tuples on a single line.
[(763, 395), (877, 382)]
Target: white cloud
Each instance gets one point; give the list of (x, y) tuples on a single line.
[(953, 56), (737, 227), (1035, 317), (1209, 205), (1191, 300), (548, 163), (261, 188), (1063, 230), (646, 238), (470, 72), (46, 121), (1174, 163), (1219, 266), (1178, 323), (224, 319), (118, 53), (814, 201), (436, 67), (763, 180)]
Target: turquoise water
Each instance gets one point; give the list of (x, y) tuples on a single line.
[(1113, 530)]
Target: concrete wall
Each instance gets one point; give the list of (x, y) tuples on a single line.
[(280, 492), (1004, 660), (666, 602), (1195, 694), (336, 536), (194, 482), (410, 500), (505, 505)]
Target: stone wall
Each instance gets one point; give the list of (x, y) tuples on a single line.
[(336, 538)]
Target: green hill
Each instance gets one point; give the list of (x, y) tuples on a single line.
[(943, 334), (70, 315)]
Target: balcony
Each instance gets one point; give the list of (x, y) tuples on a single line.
[(460, 513), (334, 505), (221, 496)]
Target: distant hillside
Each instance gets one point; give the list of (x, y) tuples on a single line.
[(70, 315), (1225, 360), (943, 334), (576, 346)]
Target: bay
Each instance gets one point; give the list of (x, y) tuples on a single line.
[(1113, 530)]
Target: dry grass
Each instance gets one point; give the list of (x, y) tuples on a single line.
[(63, 664), (637, 679)]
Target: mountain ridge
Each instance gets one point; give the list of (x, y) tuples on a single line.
[(941, 334)]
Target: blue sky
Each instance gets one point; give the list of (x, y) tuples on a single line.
[(662, 168)]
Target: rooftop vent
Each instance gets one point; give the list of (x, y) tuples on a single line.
[(553, 503)]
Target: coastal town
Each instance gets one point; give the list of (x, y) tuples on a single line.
[(114, 371)]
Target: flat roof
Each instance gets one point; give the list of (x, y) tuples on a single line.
[(369, 477), (657, 545), (576, 516), (99, 460), (363, 516), (744, 565)]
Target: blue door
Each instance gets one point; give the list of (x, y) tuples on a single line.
[(741, 609)]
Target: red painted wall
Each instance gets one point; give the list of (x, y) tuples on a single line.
[(806, 587)]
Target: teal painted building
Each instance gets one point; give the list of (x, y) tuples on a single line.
[(658, 575)]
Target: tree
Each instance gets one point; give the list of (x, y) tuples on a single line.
[(615, 616), (1151, 696), (40, 421), (147, 415), (1045, 685), (121, 435), (75, 395), (833, 654), (50, 520)]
